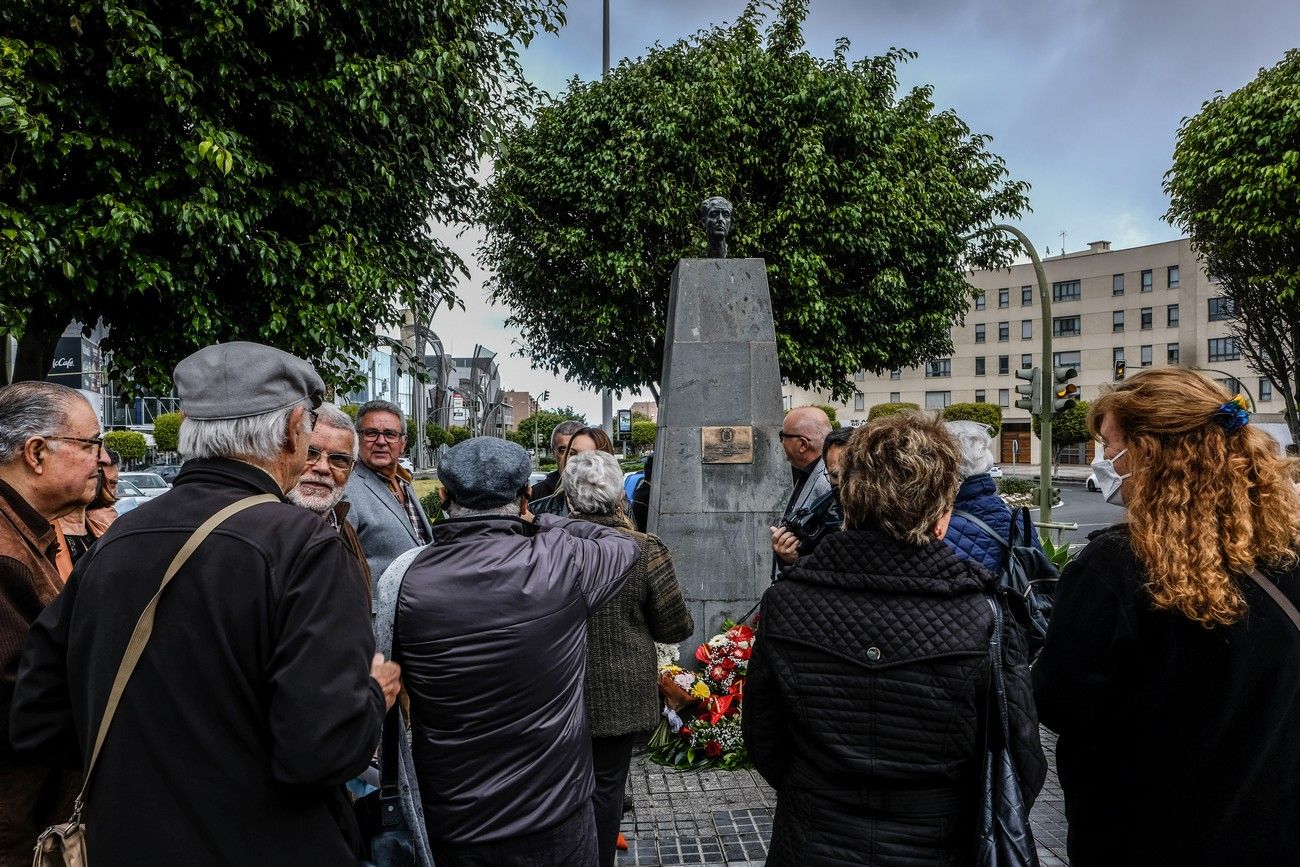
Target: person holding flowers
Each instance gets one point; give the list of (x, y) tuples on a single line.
[(871, 668), (622, 697), (1171, 669)]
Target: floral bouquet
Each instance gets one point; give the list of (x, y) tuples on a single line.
[(701, 725)]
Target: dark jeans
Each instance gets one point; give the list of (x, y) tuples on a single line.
[(610, 758), (572, 843)]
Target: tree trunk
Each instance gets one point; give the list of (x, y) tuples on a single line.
[(36, 349)]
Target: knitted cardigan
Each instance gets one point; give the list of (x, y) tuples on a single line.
[(622, 675)]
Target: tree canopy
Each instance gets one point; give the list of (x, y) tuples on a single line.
[(167, 431), (544, 422), (130, 445), (984, 413), (881, 410), (1235, 189), (857, 197), (206, 170), (1069, 427)]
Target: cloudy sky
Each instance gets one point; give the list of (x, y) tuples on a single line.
[(1083, 99)]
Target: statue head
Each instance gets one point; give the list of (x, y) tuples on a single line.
[(715, 219)]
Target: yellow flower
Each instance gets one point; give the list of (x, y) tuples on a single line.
[(700, 690), (1240, 400)]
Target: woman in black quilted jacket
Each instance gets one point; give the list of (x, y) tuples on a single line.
[(868, 678)]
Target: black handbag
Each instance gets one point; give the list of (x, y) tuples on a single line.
[(1005, 838), (386, 839)]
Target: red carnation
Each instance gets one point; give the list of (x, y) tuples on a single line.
[(717, 674), (742, 653), (713, 749), (685, 732)]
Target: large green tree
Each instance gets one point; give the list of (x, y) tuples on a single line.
[(260, 169), (1069, 428), (856, 196), (541, 424), (1235, 189)]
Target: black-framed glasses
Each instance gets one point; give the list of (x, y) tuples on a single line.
[(783, 436), (337, 460), (97, 442), (370, 434)]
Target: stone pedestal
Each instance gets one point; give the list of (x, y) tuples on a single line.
[(720, 373)]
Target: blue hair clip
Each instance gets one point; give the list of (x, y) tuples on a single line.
[(1233, 415)]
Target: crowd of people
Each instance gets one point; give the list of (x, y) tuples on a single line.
[(232, 715)]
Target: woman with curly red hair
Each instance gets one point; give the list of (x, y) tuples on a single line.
[(1171, 669)]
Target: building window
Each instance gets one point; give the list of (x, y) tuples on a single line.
[(1026, 329), (785, 402), (1146, 281), (1117, 284), (1231, 383), (1171, 274), (895, 373), (1004, 332), (981, 332), (1220, 308), (1004, 298), (1026, 296), (1026, 361), (979, 365), (981, 301), (1265, 389), (1004, 365), (1117, 355), (1068, 359), (939, 367), (1004, 397), (1171, 353), (1146, 356), (1067, 290), (1117, 321), (979, 395), (1066, 326), (860, 376), (1146, 318), (937, 399), (859, 402), (895, 396), (1224, 349), (1171, 316)]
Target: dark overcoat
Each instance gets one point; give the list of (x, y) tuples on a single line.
[(252, 702)]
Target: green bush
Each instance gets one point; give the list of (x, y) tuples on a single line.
[(435, 435), (546, 464), (1008, 485), (829, 410), (167, 432), (129, 444), (881, 410), (984, 413), (351, 410), (457, 434), (432, 506)]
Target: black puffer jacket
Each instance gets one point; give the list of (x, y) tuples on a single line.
[(863, 703)]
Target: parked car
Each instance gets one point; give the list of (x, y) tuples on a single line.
[(405, 463), (128, 497), (535, 477), (151, 484), (996, 472), (167, 471), (1091, 484)]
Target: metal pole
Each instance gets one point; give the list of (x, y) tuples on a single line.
[(1244, 388), (606, 396)]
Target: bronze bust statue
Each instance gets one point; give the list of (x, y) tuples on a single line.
[(715, 219)]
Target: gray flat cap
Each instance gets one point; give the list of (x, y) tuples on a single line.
[(239, 379), (484, 472)]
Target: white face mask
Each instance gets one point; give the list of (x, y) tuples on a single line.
[(1108, 480)]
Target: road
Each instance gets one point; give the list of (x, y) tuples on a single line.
[(1085, 508)]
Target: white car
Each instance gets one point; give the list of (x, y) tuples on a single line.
[(996, 472), (128, 497), (152, 484), (1091, 484)]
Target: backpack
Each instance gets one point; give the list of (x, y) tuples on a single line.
[(1026, 576)]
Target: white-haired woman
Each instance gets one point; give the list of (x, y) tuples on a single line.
[(621, 681), (978, 496)]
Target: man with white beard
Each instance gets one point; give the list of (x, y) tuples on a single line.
[(324, 480)]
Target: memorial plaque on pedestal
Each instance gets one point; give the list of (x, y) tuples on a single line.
[(732, 444)]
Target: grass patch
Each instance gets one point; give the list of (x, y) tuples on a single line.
[(425, 486)]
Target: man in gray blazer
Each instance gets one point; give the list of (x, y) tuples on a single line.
[(385, 509)]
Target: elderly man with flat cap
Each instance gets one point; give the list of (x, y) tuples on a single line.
[(492, 638), (256, 696)]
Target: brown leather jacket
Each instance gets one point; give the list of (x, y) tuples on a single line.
[(31, 797)]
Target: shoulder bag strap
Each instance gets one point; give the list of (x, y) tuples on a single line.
[(1278, 596), (144, 627), (983, 526)]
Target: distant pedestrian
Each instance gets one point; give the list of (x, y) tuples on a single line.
[(978, 496), (256, 696), (621, 682), (491, 630), (384, 509), (1172, 665), (560, 436), (584, 439), (871, 671)]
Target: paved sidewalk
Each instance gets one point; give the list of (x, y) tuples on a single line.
[(725, 817)]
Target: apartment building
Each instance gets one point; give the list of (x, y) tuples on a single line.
[(1148, 306)]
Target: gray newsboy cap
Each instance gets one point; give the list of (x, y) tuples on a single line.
[(484, 472), (239, 380)]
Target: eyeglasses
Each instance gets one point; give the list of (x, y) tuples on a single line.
[(337, 460), (370, 434), (313, 415), (783, 436), (96, 442)]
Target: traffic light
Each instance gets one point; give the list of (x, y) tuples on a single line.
[(1119, 370), (1065, 394), (1032, 392)]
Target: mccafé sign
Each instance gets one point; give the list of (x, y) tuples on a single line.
[(76, 364)]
